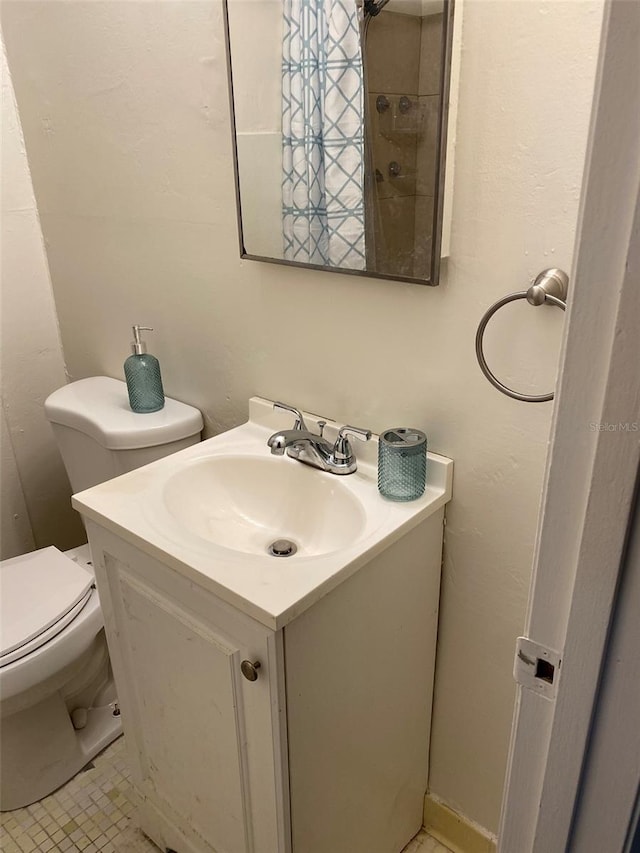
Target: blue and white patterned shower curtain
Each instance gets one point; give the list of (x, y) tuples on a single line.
[(323, 134)]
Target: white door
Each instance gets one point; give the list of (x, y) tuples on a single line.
[(590, 481)]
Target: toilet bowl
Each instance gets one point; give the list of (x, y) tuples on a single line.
[(58, 703), (49, 672)]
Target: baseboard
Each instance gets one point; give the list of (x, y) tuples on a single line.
[(455, 831)]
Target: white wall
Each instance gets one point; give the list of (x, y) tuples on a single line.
[(36, 509), (255, 33), (125, 116)]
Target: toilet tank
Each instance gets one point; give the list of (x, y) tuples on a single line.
[(100, 437)]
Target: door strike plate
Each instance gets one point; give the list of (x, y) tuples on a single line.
[(537, 667)]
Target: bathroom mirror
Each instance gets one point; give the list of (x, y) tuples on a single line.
[(339, 112)]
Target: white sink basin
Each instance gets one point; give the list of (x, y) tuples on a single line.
[(212, 510), (245, 503)]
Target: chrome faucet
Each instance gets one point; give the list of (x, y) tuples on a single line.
[(305, 446)]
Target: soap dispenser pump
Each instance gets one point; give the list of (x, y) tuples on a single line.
[(142, 372)]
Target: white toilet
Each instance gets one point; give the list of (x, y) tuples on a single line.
[(58, 704)]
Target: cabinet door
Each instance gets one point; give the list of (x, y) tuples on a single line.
[(191, 712), (201, 734)]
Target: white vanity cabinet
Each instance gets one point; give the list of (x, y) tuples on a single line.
[(325, 752)]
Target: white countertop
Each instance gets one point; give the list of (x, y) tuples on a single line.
[(271, 590)]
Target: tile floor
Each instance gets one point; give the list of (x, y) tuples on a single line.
[(95, 812)]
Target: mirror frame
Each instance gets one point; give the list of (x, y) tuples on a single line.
[(441, 149)]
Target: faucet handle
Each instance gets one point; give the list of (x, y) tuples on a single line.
[(356, 432), (342, 448), (299, 424)]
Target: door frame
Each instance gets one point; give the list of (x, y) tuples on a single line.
[(592, 465), (611, 770)]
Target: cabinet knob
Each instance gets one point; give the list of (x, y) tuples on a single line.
[(250, 670)]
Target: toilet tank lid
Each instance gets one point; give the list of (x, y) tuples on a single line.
[(99, 407)]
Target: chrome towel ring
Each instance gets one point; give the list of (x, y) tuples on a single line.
[(550, 287)]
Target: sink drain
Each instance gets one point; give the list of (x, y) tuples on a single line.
[(282, 548)]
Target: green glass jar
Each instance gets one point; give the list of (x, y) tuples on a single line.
[(402, 464)]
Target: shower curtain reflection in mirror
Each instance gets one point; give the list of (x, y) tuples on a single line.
[(322, 134)]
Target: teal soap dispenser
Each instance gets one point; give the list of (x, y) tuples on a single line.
[(142, 372)]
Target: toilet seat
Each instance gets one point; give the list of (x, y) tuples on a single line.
[(42, 593)]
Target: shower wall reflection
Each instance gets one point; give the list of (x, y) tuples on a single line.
[(403, 54)]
